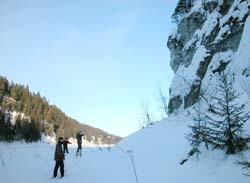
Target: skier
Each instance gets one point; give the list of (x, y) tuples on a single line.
[(79, 143), (59, 157), (65, 145)]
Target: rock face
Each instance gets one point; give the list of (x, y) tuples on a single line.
[(206, 39)]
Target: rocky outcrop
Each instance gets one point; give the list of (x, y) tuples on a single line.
[(206, 38)]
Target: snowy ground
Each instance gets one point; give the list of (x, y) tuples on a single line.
[(157, 152)]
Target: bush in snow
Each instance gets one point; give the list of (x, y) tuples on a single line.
[(146, 117)]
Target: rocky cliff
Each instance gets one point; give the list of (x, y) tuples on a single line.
[(205, 42)]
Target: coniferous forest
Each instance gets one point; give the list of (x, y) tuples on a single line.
[(34, 116)]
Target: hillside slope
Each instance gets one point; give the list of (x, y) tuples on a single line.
[(25, 115), (159, 149)]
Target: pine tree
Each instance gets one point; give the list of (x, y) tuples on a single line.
[(18, 128), (4, 86), (8, 130), (222, 126), (2, 126), (198, 132)]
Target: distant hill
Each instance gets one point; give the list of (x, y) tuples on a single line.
[(26, 115)]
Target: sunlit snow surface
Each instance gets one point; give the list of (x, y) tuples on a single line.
[(156, 152)]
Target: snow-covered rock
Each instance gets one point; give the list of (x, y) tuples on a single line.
[(206, 40)]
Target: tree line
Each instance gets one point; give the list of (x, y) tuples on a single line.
[(34, 116)]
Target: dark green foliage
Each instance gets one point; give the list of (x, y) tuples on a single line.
[(40, 117), (30, 131), (4, 86), (221, 127), (18, 128), (6, 129)]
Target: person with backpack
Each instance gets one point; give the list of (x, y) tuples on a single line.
[(79, 136), (59, 157), (65, 145)]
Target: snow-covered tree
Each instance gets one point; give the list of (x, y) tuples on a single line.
[(222, 125), (198, 128)]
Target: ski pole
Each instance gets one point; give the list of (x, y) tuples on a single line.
[(130, 152)]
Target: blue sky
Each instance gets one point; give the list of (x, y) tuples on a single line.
[(96, 60)]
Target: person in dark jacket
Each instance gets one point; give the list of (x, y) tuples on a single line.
[(65, 145), (79, 143), (59, 157)]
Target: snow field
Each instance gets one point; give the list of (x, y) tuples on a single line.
[(156, 152)]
